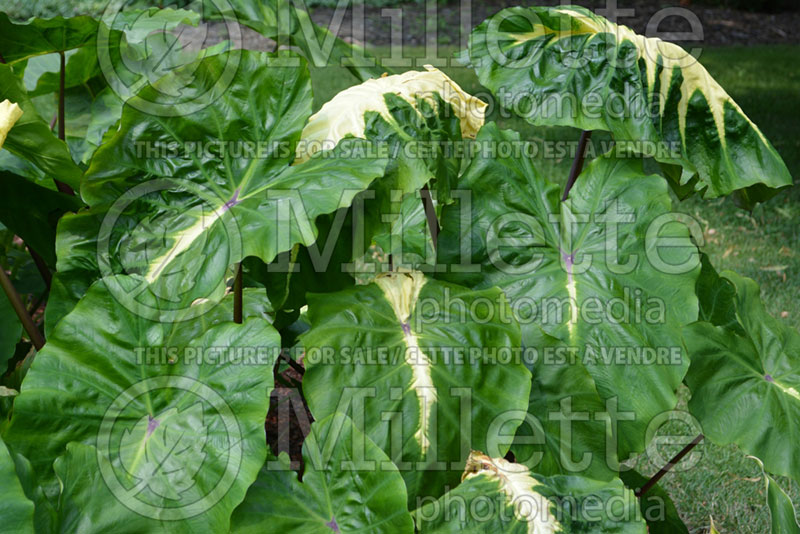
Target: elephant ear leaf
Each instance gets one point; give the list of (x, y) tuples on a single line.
[(176, 410), (496, 495), (228, 187), (349, 485), (409, 346), (15, 508), (651, 95), (609, 274), (755, 374)]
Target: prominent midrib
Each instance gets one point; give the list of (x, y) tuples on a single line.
[(518, 486), (181, 242), (402, 291)]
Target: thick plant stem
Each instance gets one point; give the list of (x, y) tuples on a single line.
[(41, 266), (62, 129), (577, 163), (664, 470), (237, 295), (430, 215), (13, 297)]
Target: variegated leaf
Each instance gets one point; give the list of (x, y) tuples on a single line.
[(428, 373), (567, 66), (496, 495), (752, 368)]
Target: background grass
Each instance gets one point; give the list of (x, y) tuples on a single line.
[(764, 245)]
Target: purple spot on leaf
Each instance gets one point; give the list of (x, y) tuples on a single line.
[(232, 202), (407, 329), (333, 526), (569, 261), (769, 378), (152, 424)]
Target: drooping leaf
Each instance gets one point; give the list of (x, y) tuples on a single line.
[(571, 67), (32, 139), (656, 505), (104, 368), (754, 374), (42, 73), (409, 346), (290, 25), (344, 114), (716, 296), (316, 268), (610, 272), (420, 120), (32, 212), (16, 510), (39, 36), (44, 513), (349, 485), (783, 518), (500, 496)]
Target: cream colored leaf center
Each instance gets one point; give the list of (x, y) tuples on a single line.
[(402, 291), (518, 485)]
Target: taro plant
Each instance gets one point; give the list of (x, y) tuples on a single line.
[(479, 349)]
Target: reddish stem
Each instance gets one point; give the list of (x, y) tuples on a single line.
[(237, 295), (27, 322), (64, 188), (577, 163), (664, 470)]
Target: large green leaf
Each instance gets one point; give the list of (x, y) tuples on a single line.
[(500, 496), (745, 385), (16, 510), (177, 409), (349, 485), (610, 272), (32, 139), (567, 66), (410, 346), (270, 204)]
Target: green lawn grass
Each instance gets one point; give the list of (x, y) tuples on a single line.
[(764, 245)]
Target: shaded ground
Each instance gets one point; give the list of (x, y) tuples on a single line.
[(721, 26)]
